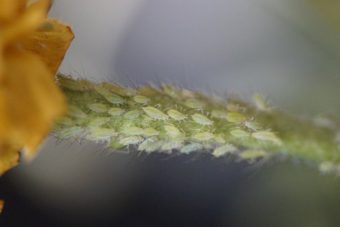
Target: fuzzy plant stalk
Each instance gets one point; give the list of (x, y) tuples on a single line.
[(170, 119)]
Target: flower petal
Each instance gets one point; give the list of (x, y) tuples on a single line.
[(50, 42), (9, 9), (26, 23), (8, 158), (32, 100)]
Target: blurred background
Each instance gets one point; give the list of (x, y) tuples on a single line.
[(287, 50)]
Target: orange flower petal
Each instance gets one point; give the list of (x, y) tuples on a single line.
[(33, 100), (50, 42), (9, 9), (8, 158), (26, 23), (2, 204)]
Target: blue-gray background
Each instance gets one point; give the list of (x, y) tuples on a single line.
[(280, 48)]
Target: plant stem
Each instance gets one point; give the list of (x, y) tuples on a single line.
[(168, 119)]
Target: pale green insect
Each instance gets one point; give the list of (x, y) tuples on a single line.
[(98, 121), (252, 154), (192, 147), (176, 115), (116, 111), (194, 104), (98, 107), (149, 145), (171, 145), (146, 120), (72, 84), (328, 167), (66, 121), (219, 138), (108, 95), (260, 102), (155, 113), (239, 133), (235, 107), (220, 114), (100, 134), (235, 117), (224, 149), (141, 99), (267, 136), (252, 125), (201, 119), (151, 132), (133, 131), (131, 140), (76, 112), (172, 131), (67, 133), (170, 90), (203, 136), (132, 114)]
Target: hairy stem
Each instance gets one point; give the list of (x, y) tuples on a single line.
[(169, 119)]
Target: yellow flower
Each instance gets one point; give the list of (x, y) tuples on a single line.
[(31, 50)]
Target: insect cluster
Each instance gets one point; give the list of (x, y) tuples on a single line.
[(162, 119), (170, 119)]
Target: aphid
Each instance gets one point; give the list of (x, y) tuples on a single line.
[(219, 138), (220, 114), (252, 154), (260, 102), (234, 107), (115, 111), (326, 167), (201, 119), (235, 117), (108, 95), (98, 121), (171, 145), (132, 114), (151, 132), (325, 122), (172, 131), (115, 88), (155, 113), (98, 107), (194, 104), (66, 133), (133, 131), (192, 147), (100, 134), (146, 120), (131, 140), (150, 145), (176, 115), (252, 125), (76, 112), (223, 150), (141, 99), (66, 121), (267, 136), (75, 85), (239, 133), (170, 90), (203, 136)]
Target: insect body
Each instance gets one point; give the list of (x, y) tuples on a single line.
[(155, 113), (201, 119), (176, 115)]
